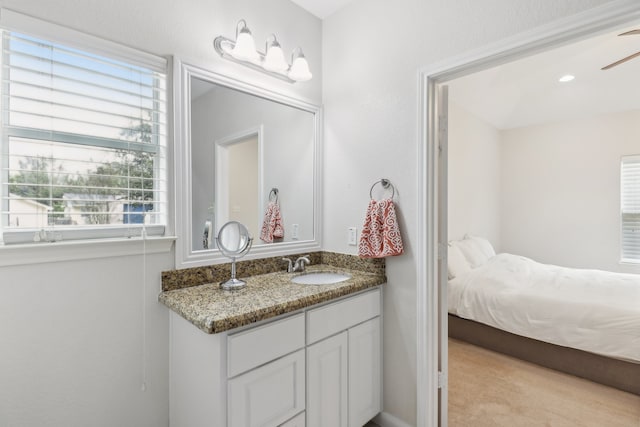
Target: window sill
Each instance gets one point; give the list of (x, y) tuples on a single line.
[(82, 249)]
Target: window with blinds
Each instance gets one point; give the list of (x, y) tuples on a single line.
[(630, 210), (83, 144)]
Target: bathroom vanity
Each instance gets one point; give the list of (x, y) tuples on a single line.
[(274, 352), (277, 353)]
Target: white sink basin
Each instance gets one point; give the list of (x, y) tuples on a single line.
[(320, 278)]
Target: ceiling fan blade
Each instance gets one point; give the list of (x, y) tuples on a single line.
[(628, 58), (629, 33)]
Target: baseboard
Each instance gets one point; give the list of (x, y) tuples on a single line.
[(385, 419)]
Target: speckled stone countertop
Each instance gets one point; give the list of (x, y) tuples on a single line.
[(266, 295)]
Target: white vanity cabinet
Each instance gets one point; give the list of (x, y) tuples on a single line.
[(344, 362), (316, 367)]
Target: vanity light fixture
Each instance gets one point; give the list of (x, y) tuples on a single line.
[(299, 70), (244, 48), (272, 62), (274, 57)]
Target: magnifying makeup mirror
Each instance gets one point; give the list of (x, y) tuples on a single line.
[(234, 242)]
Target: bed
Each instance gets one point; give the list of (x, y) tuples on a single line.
[(584, 322)]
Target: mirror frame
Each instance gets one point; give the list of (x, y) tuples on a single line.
[(186, 257)]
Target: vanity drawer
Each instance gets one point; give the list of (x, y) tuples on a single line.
[(257, 346), (333, 318)]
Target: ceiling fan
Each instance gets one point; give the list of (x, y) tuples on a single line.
[(628, 33)]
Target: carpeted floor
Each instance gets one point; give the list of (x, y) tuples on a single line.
[(488, 389)]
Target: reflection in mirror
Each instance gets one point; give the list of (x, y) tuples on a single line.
[(237, 178), (234, 143), (242, 146), (233, 239), (234, 242)]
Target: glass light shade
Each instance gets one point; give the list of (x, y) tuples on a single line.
[(300, 70), (274, 59), (245, 48)]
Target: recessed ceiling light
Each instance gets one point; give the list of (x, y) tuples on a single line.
[(566, 78)]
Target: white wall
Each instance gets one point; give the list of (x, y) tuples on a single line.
[(474, 177), (70, 332), (72, 343), (561, 190), (372, 51)]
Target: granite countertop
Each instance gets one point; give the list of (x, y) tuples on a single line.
[(266, 295)]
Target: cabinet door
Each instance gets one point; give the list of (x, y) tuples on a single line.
[(327, 382), (268, 395), (364, 372)]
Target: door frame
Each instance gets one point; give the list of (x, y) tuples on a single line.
[(430, 326)]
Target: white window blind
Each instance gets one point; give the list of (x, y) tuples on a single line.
[(630, 210), (83, 146)]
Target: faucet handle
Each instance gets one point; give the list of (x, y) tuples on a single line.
[(289, 265), (301, 262)]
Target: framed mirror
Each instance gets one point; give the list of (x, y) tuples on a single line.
[(247, 154)]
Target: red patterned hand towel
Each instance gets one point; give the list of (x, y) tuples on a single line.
[(272, 225), (380, 235)]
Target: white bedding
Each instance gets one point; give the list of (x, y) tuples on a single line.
[(591, 310)]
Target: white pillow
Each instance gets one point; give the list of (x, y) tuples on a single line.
[(484, 245), (472, 252), (456, 262)]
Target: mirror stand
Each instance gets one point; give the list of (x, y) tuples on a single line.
[(233, 283)]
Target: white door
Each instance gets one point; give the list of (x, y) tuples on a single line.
[(442, 139), (327, 382), (364, 372)]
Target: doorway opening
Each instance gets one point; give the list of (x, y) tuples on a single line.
[(238, 179), (432, 322)]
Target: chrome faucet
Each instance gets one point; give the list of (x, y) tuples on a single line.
[(298, 265), (301, 263), (289, 265)]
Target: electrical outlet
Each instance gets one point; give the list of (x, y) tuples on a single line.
[(352, 236), (295, 229)]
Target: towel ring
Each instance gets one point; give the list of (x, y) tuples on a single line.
[(273, 195), (385, 183)]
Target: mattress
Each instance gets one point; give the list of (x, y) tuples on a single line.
[(591, 310)]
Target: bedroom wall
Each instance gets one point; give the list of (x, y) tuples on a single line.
[(474, 177), (561, 190), (372, 51)]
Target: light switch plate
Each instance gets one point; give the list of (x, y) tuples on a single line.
[(352, 236), (295, 231)]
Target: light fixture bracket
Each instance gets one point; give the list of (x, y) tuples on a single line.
[(223, 46)]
